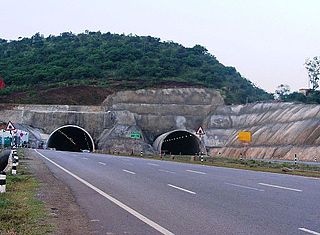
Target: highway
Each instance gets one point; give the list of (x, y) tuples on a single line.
[(123, 195)]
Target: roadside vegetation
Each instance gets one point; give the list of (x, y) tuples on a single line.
[(245, 164), (115, 62), (20, 211)]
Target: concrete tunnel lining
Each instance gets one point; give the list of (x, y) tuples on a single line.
[(178, 142), (71, 138)]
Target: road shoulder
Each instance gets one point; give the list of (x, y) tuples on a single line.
[(65, 213)]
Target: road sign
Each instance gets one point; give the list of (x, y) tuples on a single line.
[(200, 131), (135, 135), (244, 136), (10, 126)]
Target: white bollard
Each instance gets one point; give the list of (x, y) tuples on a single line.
[(14, 167), (16, 158), (3, 177), (141, 154)]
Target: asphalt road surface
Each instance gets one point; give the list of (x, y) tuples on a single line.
[(123, 195)]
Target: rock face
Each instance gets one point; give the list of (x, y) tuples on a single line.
[(148, 112), (158, 111), (154, 112), (279, 130)]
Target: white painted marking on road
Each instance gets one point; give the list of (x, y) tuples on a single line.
[(94, 220), (85, 158), (281, 187), (152, 164), (125, 159), (102, 163), (182, 189), (309, 231), (246, 187), (114, 200), (171, 172), (130, 172), (197, 172)]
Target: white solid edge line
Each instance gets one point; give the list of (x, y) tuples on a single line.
[(130, 172), (197, 172), (112, 199), (102, 163), (281, 187), (246, 187), (309, 231), (182, 189)]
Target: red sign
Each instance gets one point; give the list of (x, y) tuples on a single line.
[(2, 84)]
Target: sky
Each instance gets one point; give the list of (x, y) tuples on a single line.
[(267, 41)]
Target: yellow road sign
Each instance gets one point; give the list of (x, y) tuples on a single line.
[(244, 136)]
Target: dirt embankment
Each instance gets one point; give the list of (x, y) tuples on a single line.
[(65, 214)]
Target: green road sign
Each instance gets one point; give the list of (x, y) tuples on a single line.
[(135, 135)]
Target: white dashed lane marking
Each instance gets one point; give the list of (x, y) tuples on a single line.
[(196, 172), (152, 164), (166, 171), (245, 187), (281, 187), (309, 231), (130, 172), (182, 189)]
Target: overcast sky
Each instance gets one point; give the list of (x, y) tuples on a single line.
[(266, 40)]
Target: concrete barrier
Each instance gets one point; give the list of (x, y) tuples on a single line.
[(4, 157)]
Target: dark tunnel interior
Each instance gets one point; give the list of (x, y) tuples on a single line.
[(181, 142), (70, 138)]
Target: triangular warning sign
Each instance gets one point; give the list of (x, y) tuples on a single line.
[(200, 131), (10, 127)]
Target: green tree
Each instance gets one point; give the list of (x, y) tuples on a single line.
[(313, 68), (282, 92)]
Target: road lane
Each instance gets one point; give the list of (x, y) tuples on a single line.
[(217, 208)]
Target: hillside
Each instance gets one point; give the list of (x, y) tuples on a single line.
[(85, 68)]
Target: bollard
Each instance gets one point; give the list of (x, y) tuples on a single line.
[(315, 159), (16, 158), (295, 159), (141, 154), (14, 167), (3, 177)]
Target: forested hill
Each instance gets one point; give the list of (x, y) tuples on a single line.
[(37, 67)]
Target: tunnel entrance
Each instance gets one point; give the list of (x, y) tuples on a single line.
[(71, 138), (180, 142)]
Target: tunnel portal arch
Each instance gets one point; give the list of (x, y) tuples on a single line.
[(178, 142), (71, 138)]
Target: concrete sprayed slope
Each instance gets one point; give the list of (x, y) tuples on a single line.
[(279, 130), (161, 110)]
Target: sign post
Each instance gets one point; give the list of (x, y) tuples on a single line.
[(11, 128), (200, 132), (244, 137), (136, 135)]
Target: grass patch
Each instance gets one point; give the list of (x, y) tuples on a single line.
[(245, 164), (20, 211)]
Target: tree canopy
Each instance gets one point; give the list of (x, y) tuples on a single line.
[(116, 62)]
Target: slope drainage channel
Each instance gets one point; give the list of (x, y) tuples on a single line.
[(71, 138)]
